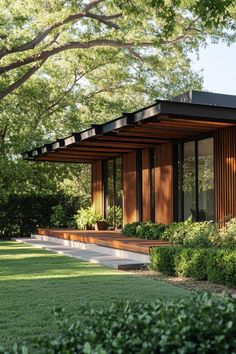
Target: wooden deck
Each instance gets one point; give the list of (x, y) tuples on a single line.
[(112, 239)]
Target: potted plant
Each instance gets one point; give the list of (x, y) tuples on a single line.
[(101, 225), (86, 219)]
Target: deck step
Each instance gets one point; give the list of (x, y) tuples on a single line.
[(85, 255), (135, 257)]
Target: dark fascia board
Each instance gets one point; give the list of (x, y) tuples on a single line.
[(197, 111), (182, 110), (206, 98)]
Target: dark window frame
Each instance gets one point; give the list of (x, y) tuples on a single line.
[(178, 158), (105, 179)]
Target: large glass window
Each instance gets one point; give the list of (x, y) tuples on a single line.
[(189, 179), (206, 200), (114, 192), (196, 180)]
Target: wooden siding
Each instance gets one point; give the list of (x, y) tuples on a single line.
[(146, 185), (164, 184), (130, 187), (225, 173), (97, 187)]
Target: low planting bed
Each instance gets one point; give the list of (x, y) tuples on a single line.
[(199, 324), (200, 250), (187, 233), (216, 265)]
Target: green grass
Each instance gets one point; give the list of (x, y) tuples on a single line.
[(34, 281)]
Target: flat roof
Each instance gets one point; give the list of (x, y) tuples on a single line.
[(183, 117)]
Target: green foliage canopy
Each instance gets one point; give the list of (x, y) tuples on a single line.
[(67, 64)]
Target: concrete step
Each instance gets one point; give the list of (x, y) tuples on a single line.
[(93, 247), (87, 255)]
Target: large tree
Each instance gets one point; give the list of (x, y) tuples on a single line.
[(65, 64), (34, 31)]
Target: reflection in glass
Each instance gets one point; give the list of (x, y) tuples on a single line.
[(114, 193), (206, 179), (189, 180)]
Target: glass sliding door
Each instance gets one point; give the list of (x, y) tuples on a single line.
[(189, 180), (114, 192), (109, 192), (206, 192), (196, 180)]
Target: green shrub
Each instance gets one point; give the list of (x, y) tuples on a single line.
[(22, 215), (163, 259), (118, 215), (58, 216), (228, 234), (145, 230), (87, 218), (221, 267), (192, 234), (191, 262), (212, 264), (130, 229), (200, 324), (150, 231)]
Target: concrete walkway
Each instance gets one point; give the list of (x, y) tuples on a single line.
[(85, 255)]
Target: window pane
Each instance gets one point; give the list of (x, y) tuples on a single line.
[(119, 192), (114, 193), (206, 192), (110, 190), (189, 181)]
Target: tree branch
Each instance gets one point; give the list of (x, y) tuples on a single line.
[(71, 45), (43, 34), (22, 80), (104, 19), (92, 4)]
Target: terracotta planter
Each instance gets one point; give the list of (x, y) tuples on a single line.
[(101, 225)]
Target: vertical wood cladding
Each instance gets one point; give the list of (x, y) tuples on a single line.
[(97, 188), (130, 187), (225, 173), (164, 184), (146, 186)]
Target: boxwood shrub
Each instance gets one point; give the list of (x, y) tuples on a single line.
[(212, 264), (130, 229), (192, 234), (145, 230), (199, 324), (150, 231)]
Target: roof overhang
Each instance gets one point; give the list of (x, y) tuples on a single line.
[(162, 122)]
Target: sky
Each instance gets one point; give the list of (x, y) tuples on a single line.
[(219, 68)]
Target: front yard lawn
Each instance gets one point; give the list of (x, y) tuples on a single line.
[(34, 281)]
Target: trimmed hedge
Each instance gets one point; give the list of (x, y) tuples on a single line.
[(200, 324), (22, 215), (145, 230), (130, 229), (212, 264), (150, 231)]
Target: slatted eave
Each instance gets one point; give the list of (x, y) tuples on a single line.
[(160, 123)]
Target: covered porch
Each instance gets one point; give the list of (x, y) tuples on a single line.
[(166, 162)]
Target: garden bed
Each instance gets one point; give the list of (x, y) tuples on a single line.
[(186, 283)]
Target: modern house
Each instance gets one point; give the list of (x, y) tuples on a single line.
[(169, 161)]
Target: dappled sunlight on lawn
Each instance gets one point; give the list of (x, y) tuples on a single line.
[(33, 282)]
